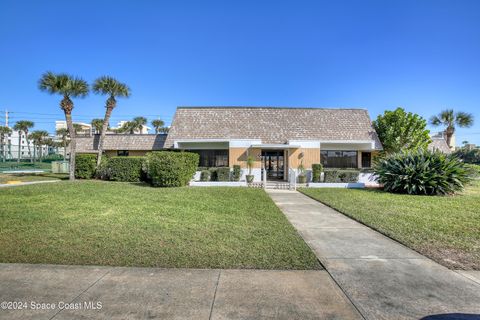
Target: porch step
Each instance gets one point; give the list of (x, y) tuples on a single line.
[(271, 185)]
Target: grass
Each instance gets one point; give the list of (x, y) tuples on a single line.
[(446, 229), (122, 224), (27, 177)]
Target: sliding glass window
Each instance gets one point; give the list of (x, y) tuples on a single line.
[(339, 159), (212, 158)]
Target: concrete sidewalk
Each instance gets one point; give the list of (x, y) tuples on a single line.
[(154, 293), (384, 279)]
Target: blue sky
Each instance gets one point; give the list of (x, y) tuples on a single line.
[(421, 55)]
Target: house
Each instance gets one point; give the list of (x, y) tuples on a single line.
[(439, 143), (279, 139)]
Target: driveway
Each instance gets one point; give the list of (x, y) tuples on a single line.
[(384, 279), (82, 292)]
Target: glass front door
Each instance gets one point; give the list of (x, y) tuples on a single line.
[(274, 164)]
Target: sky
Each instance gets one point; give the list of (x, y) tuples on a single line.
[(421, 55)]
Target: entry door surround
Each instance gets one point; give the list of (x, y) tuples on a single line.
[(274, 162)]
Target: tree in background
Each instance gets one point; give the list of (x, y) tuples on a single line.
[(39, 138), (97, 124), (158, 125), (23, 126), (399, 130), (136, 124), (4, 131), (64, 140), (108, 86), (450, 119), (68, 87)]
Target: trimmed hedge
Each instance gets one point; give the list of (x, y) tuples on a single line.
[(237, 172), (170, 169), (205, 175), (85, 165), (341, 176), (317, 169), (127, 169), (219, 174)]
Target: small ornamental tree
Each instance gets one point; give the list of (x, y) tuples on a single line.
[(400, 130)]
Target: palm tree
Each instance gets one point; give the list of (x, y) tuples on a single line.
[(158, 125), (23, 126), (97, 124), (3, 132), (136, 124), (39, 138), (108, 86), (63, 134), (449, 119), (68, 87)]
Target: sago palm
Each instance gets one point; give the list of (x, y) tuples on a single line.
[(4, 131), (450, 119), (68, 87), (108, 86), (23, 126), (158, 125)]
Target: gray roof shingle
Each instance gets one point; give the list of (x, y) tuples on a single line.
[(440, 144), (271, 125), (122, 142)]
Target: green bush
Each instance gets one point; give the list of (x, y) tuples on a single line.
[(237, 172), (422, 172), (170, 169), (468, 156), (317, 169), (220, 174), (85, 165), (341, 176), (205, 175), (127, 169), (474, 170)]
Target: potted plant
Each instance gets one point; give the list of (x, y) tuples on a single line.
[(250, 163), (302, 178)]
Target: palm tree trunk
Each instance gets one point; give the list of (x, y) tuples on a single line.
[(64, 151), (106, 120), (68, 118), (19, 145), (449, 133)]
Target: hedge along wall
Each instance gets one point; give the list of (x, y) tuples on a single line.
[(170, 169), (85, 165), (127, 169)]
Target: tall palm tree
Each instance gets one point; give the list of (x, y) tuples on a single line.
[(108, 86), (63, 134), (68, 87), (39, 138), (4, 131), (23, 126), (97, 124), (449, 119), (136, 124), (158, 125)]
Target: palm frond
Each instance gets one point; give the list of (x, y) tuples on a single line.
[(464, 119), (110, 86)]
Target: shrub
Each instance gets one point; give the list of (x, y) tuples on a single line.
[(128, 169), (85, 165), (468, 156), (220, 174), (205, 175), (341, 176), (237, 172), (317, 169), (422, 172), (170, 169)]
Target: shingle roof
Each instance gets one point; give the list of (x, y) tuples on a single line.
[(440, 144), (270, 124), (122, 142)]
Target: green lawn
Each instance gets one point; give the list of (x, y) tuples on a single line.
[(446, 229), (27, 177), (122, 224)]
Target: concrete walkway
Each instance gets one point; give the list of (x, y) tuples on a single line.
[(81, 292), (384, 279)]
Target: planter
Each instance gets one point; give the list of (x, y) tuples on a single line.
[(302, 179), (249, 178)]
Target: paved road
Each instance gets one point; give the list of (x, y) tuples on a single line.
[(154, 293), (384, 279)]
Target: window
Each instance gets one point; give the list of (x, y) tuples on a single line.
[(122, 153), (212, 158), (339, 159), (366, 159)]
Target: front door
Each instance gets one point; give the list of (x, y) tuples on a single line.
[(274, 164)]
